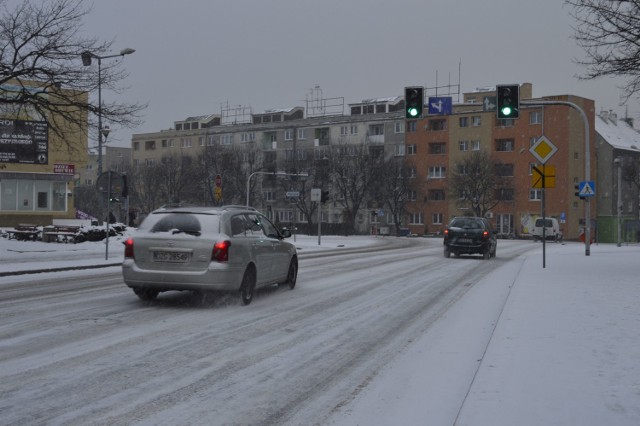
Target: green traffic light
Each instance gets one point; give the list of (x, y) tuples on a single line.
[(506, 111), (413, 112)]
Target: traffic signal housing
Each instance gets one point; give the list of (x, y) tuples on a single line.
[(413, 101), (577, 193), (324, 196), (508, 98)]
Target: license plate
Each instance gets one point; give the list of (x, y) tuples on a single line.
[(464, 240), (171, 257)]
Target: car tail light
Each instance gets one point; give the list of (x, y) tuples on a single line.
[(485, 234), (446, 233), (221, 251), (128, 249)]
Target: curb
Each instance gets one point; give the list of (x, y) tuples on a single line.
[(67, 268)]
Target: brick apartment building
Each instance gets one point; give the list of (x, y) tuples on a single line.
[(435, 144)]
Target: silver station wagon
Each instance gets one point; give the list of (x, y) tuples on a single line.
[(230, 249)]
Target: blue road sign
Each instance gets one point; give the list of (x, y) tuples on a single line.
[(587, 188), (440, 105)]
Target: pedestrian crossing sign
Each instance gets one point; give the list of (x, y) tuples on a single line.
[(587, 189)]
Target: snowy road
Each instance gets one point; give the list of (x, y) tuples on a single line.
[(83, 350)]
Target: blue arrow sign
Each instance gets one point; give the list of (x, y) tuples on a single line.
[(440, 105)]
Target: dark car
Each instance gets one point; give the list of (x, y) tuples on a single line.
[(470, 235)]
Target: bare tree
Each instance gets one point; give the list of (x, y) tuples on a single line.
[(353, 171), (609, 31), (392, 186), (40, 52), (476, 184)]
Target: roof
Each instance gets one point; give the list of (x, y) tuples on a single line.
[(617, 133)]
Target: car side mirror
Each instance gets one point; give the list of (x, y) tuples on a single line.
[(285, 233)]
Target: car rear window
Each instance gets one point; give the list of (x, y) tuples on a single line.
[(187, 223), (467, 223), (547, 223)]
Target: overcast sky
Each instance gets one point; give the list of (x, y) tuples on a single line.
[(192, 56)]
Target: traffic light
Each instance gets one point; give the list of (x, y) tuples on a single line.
[(413, 101), (508, 100), (577, 193)]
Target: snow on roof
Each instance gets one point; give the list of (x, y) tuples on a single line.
[(617, 133)]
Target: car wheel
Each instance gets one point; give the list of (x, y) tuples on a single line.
[(146, 294), (487, 253), (248, 286), (292, 276), (447, 253)]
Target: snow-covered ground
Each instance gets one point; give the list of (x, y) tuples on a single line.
[(563, 342)]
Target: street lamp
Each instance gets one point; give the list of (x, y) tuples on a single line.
[(618, 162), (271, 174), (86, 61)]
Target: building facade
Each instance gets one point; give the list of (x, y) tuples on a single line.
[(618, 149), (37, 166), (431, 147), (437, 144)]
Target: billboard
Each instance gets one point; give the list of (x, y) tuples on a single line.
[(25, 142)]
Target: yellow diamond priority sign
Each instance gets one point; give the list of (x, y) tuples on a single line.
[(543, 149)]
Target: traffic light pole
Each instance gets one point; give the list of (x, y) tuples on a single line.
[(587, 164)]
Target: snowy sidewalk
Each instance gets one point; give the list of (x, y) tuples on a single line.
[(565, 351)]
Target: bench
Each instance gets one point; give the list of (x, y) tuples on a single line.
[(24, 233), (61, 234)]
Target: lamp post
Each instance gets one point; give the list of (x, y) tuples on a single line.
[(618, 162), (271, 174), (86, 61)]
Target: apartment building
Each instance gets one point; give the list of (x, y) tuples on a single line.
[(284, 137), (436, 145)]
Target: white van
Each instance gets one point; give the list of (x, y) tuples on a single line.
[(552, 231)]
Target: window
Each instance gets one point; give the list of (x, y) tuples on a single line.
[(411, 172), (411, 126), (201, 140), (344, 130), (268, 195), (437, 218), (535, 194), (302, 134), (164, 143), (377, 130), (412, 149), (535, 117), (476, 121), (411, 195), (226, 139), (288, 135), (504, 170), (531, 166), (248, 137), (469, 145), (150, 145), (437, 172), (505, 194), (399, 149), (437, 148), (463, 121), (185, 143), (437, 125), (506, 122), (354, 129), (285, 216), (399, 126), (436, 195), (504, 145), (415, 219)]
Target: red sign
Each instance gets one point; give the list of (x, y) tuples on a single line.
[(66, 169)]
